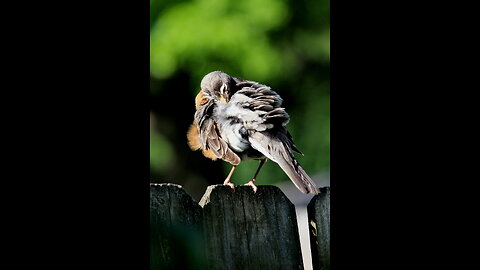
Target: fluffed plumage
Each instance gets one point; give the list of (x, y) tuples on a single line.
[(237, 120)]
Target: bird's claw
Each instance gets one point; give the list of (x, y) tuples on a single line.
[(251, 183), (230, 184)]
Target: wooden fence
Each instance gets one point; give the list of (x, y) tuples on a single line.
[(231, 229)]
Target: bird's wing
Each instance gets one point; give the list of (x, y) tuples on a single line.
[(258, 108), (210, 137)]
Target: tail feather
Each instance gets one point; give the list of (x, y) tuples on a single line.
[(297, 174), (278, 151)]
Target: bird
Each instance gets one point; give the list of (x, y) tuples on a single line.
[(238, 120)]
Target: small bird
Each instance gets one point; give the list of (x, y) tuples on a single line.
[(238, 120)]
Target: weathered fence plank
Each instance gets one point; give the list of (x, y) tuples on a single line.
[(319, 224), (246, 230), (234, 229), (176, 238)]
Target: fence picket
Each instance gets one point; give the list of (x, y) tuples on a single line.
[(233, 229), (319, 225)]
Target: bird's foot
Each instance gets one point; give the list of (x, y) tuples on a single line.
[(252, 184), (228, 183)]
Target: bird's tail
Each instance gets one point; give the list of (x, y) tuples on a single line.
[(279, 149), (297, 174)]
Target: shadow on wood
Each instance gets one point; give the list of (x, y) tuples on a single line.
[(176, 238), (246, 230), (319, 224)]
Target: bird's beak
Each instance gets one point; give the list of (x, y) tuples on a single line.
[(223, 99)]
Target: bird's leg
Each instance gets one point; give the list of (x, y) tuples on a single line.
[(252, 182), (227, 181)]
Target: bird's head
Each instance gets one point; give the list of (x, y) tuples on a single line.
[(218, 85)]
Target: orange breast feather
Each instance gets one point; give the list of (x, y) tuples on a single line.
[(195, 144)]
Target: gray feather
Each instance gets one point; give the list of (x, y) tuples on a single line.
[(278, 151), (252, 123), (210, 137)]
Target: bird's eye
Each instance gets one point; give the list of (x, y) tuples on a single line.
[(223, 88)]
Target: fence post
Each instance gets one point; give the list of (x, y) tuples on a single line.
[(246, 230), (319, 225), (176, 239)]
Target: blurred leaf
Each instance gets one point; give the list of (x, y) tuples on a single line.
[(315, 45), (187, 35), (161, 152)]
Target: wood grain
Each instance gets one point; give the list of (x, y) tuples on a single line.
[(319, 226), (246, 230)]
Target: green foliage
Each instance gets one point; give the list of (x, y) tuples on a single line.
[(284, 44), (197, 35), (161, 152)]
